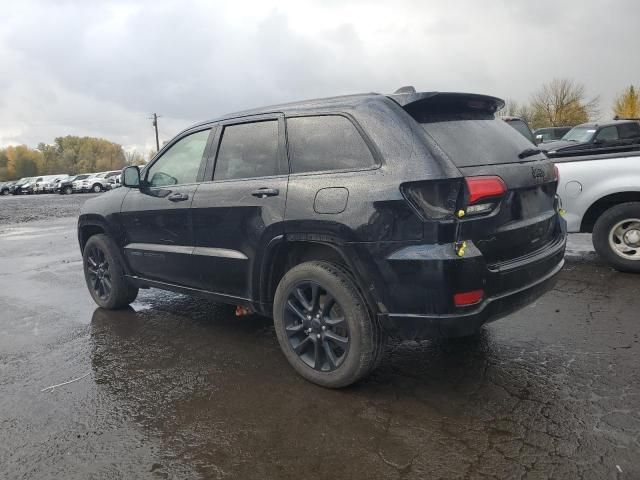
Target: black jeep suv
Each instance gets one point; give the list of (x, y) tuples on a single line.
[(346, 219)]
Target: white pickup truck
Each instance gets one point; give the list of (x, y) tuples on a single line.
[(601, 195)]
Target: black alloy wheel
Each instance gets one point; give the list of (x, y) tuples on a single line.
[(316, 327), (99, 273)]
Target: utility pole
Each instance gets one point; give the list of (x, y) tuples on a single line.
[(155, 125)]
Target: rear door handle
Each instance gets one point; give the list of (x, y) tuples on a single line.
[(178, 197), (265, 192)]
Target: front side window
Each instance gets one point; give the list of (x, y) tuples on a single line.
[(248, 150), (608, 134), (328, 142), (180, 163)]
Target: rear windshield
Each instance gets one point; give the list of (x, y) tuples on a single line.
[(477, 138)]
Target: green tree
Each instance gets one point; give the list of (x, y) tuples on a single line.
[(627, 104)]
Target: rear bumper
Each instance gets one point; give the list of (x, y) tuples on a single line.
[(416, 326)]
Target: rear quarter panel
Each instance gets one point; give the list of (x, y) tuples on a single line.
[(584, 182)]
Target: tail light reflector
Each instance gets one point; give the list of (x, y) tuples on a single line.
[(462, 299), (484, 187)]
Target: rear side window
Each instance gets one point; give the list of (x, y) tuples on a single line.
[(327, 142), (248, 150), (629, 130)]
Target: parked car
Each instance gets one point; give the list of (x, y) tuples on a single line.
[(596, 138), (22, 186), (98, 182), (549, 134), (50, 187), (5, 188), (65, 187), (44, 185), (601, 195), (79, 183), (416, 215), (520, 126)]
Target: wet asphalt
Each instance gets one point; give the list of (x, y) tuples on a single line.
[(178, 387)]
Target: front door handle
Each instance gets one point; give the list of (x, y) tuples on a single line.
[(265, 192), (178, 197)]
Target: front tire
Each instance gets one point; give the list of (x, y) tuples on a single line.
[(97, 188), (68, 190), (324, 327), (104, 274), (616, 236)]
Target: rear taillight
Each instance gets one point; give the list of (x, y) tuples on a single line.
[(463, 299), (556, 173), (483, 193), (433, 199)]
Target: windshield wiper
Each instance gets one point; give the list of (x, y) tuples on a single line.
[(529, 152)]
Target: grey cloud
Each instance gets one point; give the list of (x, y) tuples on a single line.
[(100, 68)]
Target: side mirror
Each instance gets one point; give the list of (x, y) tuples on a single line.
[(131, 177), (539, 138)]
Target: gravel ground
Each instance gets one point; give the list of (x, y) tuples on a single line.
[(27, 208)]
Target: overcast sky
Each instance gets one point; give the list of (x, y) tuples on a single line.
[(101, 68)]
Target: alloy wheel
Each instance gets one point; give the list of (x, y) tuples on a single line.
[(316, 327), (99, 273), (624, 239)]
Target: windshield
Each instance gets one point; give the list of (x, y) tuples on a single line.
[(580, 134), (81, 177)]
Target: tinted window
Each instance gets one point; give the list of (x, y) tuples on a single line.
[(179, 164), (248, 150), (521, 127), (607, 134), (475, 138), (327, 142), (629, 130)]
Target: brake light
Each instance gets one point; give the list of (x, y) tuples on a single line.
[(463, 299), (557, 173), (484, 187)]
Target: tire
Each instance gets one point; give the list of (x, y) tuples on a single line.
[(68, 190), (349, 318), (619, 226), (5, 192), (104, 274), (97, 188)]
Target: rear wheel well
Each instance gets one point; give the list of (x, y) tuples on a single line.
[(290, 254), (88, 231), (598, 208)]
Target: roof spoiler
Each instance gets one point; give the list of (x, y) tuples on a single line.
[(413, 101)]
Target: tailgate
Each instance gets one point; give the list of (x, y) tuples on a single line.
[(514, 214)]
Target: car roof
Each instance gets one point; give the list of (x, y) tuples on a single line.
[(605, 124), (402, 97)]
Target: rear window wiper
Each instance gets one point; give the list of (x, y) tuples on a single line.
[(529, 152)]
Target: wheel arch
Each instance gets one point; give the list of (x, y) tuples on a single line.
[(601, 205), (282, 254)]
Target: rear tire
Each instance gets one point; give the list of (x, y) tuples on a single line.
[(616, 236), (329, 337), (104, 274)]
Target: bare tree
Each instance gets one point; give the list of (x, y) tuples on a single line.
[(562, 102)]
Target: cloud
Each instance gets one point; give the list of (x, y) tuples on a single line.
[(100, 68)]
